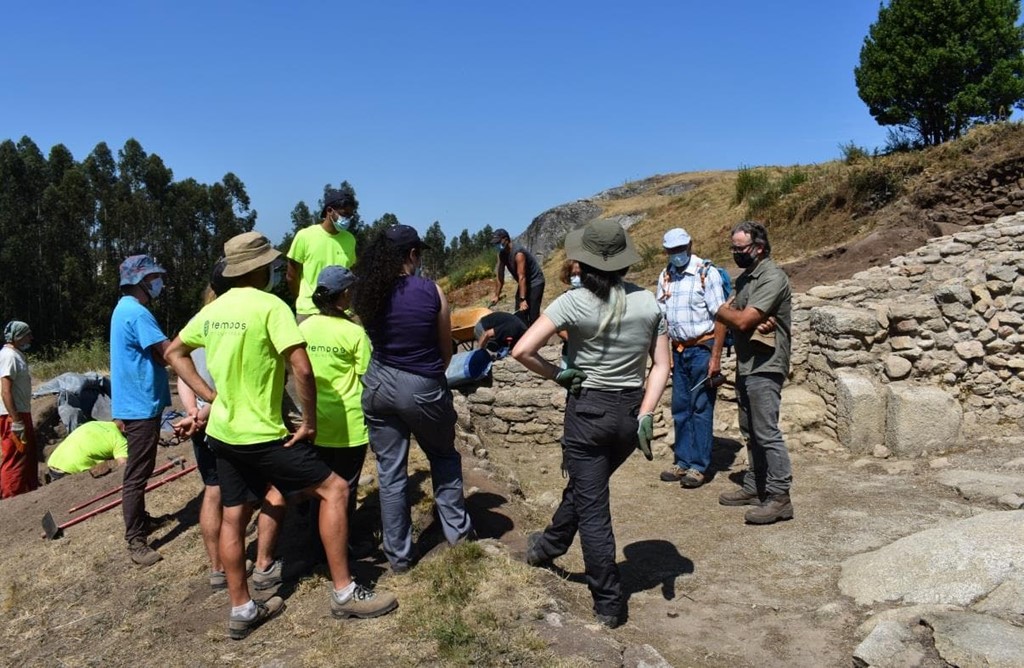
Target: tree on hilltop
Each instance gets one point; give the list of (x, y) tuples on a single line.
[(937, 67)]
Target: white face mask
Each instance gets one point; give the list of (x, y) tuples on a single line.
[(156, 286), (341, 223), (575, 282)]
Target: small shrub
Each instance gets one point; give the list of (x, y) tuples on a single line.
[(852, 154), (90, 355), (749, 181), (650, 256), (473, 268)]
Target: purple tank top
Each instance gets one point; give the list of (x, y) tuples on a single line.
[(406, 337)]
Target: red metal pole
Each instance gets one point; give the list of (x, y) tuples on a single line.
[(114, 504), (159, 469)]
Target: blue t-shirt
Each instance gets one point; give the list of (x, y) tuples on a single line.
[(138, 384)]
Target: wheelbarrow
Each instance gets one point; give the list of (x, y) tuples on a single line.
[(463, 322)]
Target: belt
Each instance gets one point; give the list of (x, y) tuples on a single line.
[(679, 346)]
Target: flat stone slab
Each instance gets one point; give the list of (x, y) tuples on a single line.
[(889, 645), (956, 563), (982, 485), (969, 640)]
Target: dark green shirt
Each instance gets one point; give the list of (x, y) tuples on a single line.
[(766, 288)]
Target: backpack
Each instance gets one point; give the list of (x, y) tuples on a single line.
[(726, 291)]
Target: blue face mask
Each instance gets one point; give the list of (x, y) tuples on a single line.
[(679, 260), (156, 286), (341, 223), (575, 282)]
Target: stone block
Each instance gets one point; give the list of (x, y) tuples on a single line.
[(920, 418), (860, 411), (897, 368), (834, 321), (969, 350)]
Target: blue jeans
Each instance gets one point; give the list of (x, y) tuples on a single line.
[(398, 404), (759, 397), (693, 413)]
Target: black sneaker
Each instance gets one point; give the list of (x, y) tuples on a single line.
[(240, 628), (534, 554), (610, 621)]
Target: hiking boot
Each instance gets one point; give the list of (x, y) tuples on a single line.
[(142, 554), (691, 479), (268, 579), (364, 604), (774, 508), (240, 628), (610, 621), (219, 579), (534, 555), (674, 474), (739, 497)]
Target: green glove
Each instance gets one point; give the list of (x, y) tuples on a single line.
[(645, 434), (571, 379)]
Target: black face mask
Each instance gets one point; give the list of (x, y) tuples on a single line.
[(744, 260)]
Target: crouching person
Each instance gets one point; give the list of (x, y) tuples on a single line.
[(248, 335), (91, 448)]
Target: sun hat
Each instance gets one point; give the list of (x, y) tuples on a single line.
[(601, 244), (675, 238), (404, 236), (499, 234), (335, 279), (16, 329), (247, 252), (137, 267)]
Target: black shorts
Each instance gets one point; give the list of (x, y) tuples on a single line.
[(245, 471), (206, 461)]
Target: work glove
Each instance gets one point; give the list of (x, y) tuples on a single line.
[(571, 379), (645, 434), (19, 429)]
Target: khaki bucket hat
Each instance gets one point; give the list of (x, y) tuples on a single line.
[(246, 252)]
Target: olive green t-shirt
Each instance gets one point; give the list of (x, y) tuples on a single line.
[(339, 352), (617, 357), (766, 288), (245, 332)]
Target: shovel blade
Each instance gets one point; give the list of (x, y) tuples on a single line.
[(50, 527)]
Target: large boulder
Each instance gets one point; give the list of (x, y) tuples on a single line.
[(920, 417), (968, 639), (547, 230)]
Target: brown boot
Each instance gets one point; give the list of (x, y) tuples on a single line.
[(739, 497), (142, 554), (774, 508)]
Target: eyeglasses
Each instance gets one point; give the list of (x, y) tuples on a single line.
[(741, 249)]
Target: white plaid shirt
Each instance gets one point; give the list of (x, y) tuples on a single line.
[(688, 305)]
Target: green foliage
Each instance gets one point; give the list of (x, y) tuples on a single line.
[(435, 260), (852, 154), (474, 268), (936, 67), (650, 256), (749, 181), (66, 226), (761, 191), (88, 355)]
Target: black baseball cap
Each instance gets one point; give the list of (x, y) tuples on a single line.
[(499, 234), (404, 236)]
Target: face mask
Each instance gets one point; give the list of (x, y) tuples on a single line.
[(679, 260), (498, 247), (744, 260), (575, 282), (156, 286), (25, 346), (275, 277), (341, 223)]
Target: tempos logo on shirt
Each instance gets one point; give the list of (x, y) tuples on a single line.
[(317, 349), (223, 326)]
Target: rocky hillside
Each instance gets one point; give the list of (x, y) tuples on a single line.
[(827, 221)]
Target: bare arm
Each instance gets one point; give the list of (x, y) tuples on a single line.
[(293, 276), (7, 394), (715, 363), (527, 351), (159, 351), (305, 384), (523, 288), (179, 356), (444, 328), (657, 379), (485, 338), (499, 281), (744, 319)]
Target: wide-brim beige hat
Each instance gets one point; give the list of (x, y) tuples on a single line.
[(602, 244), (247, 252)]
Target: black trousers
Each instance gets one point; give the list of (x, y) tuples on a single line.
[(600, 434), (534, 296)]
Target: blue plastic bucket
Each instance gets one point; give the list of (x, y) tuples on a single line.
[(468, 367)]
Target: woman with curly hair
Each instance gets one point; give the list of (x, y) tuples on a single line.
[(409, 324), (613, 328)]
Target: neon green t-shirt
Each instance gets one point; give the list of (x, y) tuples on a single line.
[(339, 351), (87, 446), (245, 331), (315, 248)]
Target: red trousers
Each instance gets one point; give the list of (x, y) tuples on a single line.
[(19, 470)]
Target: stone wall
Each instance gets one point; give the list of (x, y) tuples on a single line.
[(973, 198), (925, 351)]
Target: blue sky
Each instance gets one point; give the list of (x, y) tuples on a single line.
[(470, 113)]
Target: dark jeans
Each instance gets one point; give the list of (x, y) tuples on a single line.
[(759, 397), (534, 296), (693, 412), (143, 437), (600, 434)]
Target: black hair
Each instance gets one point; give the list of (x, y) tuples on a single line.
[(324, 298), (758, 234), (379, 268), (599, 281)]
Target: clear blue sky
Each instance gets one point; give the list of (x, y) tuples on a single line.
[(471, 113)]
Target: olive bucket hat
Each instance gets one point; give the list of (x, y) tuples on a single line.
[(601, 244)]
